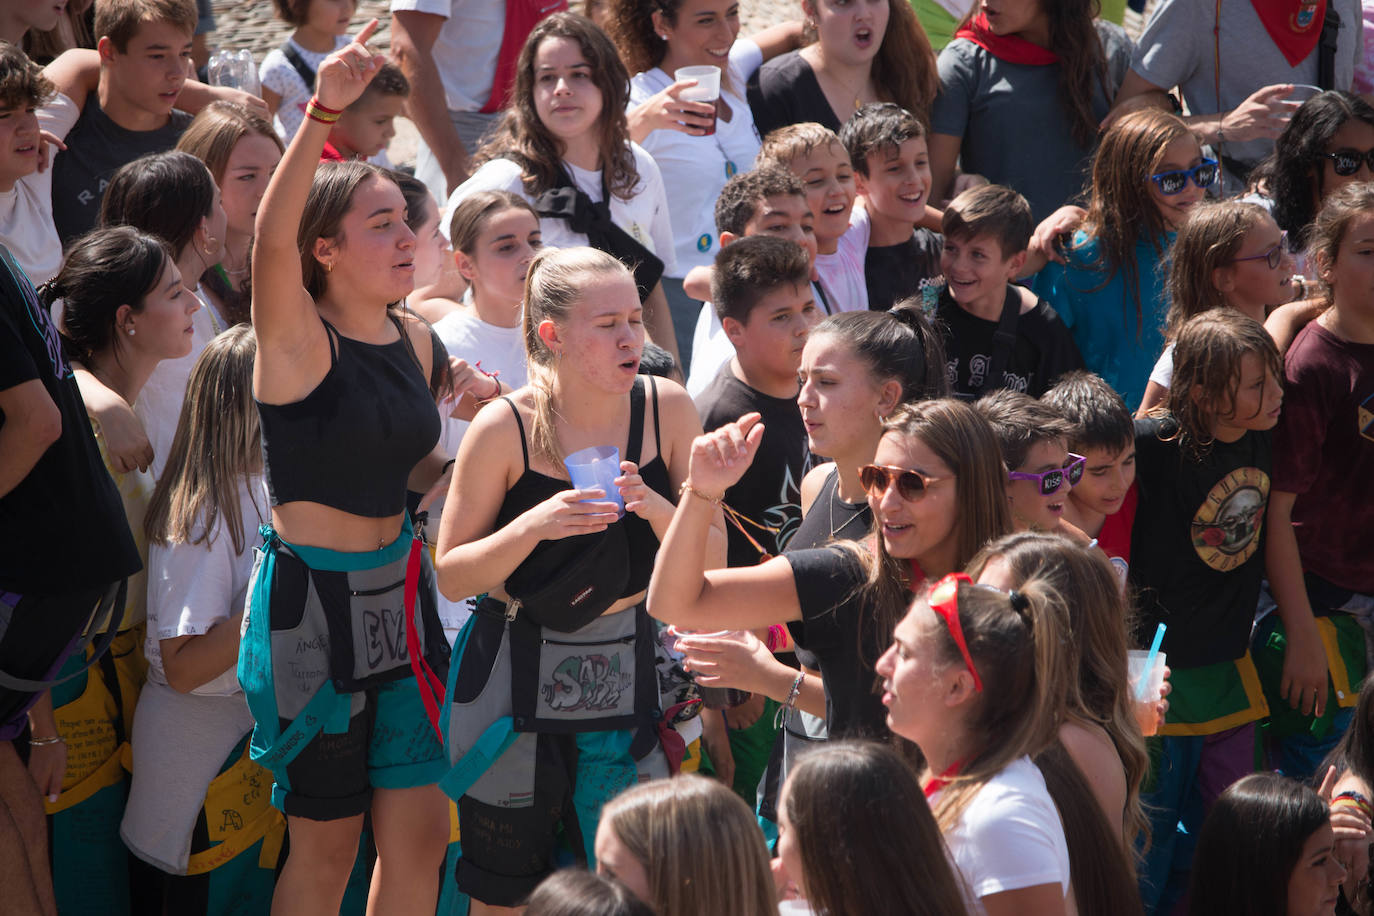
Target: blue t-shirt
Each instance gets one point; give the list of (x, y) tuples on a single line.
[(1102, 315)]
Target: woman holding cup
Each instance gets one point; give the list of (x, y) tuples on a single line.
[(687, 109), (554, 674)]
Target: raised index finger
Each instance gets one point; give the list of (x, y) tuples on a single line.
[(368, 31)]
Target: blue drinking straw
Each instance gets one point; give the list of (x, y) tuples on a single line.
[(1149, 663)]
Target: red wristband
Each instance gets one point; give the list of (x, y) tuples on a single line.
[(315, 101)]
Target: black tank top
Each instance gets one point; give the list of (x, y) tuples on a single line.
[(533, 488), (830, 518), (351, 443)]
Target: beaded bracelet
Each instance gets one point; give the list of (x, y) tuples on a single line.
[(317, 112)]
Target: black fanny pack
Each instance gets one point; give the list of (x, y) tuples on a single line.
[(573, 583)]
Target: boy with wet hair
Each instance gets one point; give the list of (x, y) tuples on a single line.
[(997, 334), (887, 145)]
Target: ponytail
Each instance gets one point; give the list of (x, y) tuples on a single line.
[(899, 344), (104, 270)]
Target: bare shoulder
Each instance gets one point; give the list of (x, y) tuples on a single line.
[(812, 483), (676, 411), (1029, 300)]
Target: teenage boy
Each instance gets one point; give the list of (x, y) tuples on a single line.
[(767, 200), (761, 291), (145, 54), (887, 145), (1041, 469), (26, 226), (365, 128), (1102, 505), (997, 334)]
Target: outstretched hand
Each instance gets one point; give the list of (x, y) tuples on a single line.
[(720, 457), (344, 75)]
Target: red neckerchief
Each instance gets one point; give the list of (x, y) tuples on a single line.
[(1010, 48), (1115, 536), (330, 154), (918, 576), (939, 782), (1294, 25), (521, 18)]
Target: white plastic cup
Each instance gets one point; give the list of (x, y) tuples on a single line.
[(715, 697), (596, 468), (707, 88), (1146, 699)]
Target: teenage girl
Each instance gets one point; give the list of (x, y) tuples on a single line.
[(287, 73), (1315, 560), (554, 600), (125, 311), (346, 414), (1227, 253), (172, 196), (564, 146), (935, 487), (1050, 67), (241, 151), (976, 678), (1101, 734), (865, 51), (1203, 462), (687, 846), (1148, 173), (437, 283), (855, 835), (190, 738), (1267, 849)]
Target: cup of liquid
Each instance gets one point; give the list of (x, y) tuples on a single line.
[(707, 88), (1146, 694), (596, 468), (716, 697)]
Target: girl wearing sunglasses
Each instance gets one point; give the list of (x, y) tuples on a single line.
[(937, 492), (976, 678), (1228, 254), (1148, 174)]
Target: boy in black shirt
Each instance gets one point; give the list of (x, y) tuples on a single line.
[(887, 146), (997, 334), (762, 293)]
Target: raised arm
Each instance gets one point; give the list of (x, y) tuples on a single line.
[(293, 349), (76, 74)]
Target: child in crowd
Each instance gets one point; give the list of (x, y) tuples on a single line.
[(1041, 469), (815, 155), (287, 73), (125, 311), (564, 146), (1317, 557), (145, 50), (1148, 174), (887, 146), (577, 892), (1203, 465), (190, 737), (761, 291), (26, 226), (997, 334), (364, 128), (767, 200), (711, 860), (1102, 504), (1228, 253)]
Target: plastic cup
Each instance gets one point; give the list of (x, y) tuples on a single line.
[(707, 88), (716, 697), (596, 468), (1302, 92), (1146, 702)]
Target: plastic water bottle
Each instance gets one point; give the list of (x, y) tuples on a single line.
[(234, 69)]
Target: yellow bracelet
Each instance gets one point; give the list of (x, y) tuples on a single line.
[(319, 113), (688, 488)]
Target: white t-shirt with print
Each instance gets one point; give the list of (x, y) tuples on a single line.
[(644, 215), (698, 167), (277, 74), (842, 273), (26, 223)]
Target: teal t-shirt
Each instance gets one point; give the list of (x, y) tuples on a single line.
[(1102, 315)]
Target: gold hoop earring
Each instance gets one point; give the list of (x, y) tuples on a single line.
[(329, 268)]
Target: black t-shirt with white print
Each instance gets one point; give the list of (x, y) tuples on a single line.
[(1044, 349)]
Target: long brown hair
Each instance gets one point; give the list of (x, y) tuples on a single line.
[(1209, 239), (699, 844), (553, 286), (867, 839), (904, 68), (1099, 619), (1121, 211), (523, 138), (966, 444), (1329, 228), (217, 444)]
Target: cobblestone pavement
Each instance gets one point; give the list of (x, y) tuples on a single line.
[(253, 24)]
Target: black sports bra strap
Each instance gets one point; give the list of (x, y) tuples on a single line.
[(658, 439), (635, 446), (333, 335), (520, 424)]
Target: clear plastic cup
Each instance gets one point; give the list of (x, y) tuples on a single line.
[(715, 697), (1146, 698), (596, 468), (707, 88)]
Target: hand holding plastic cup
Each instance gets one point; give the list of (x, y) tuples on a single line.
[(1145, 687), (707, 88), (596, 468), (714, 697)]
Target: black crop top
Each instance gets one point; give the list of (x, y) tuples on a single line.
[(533, 488), (351, 443)]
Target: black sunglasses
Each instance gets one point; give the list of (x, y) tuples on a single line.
[(1204, 175), (1346, 162)]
